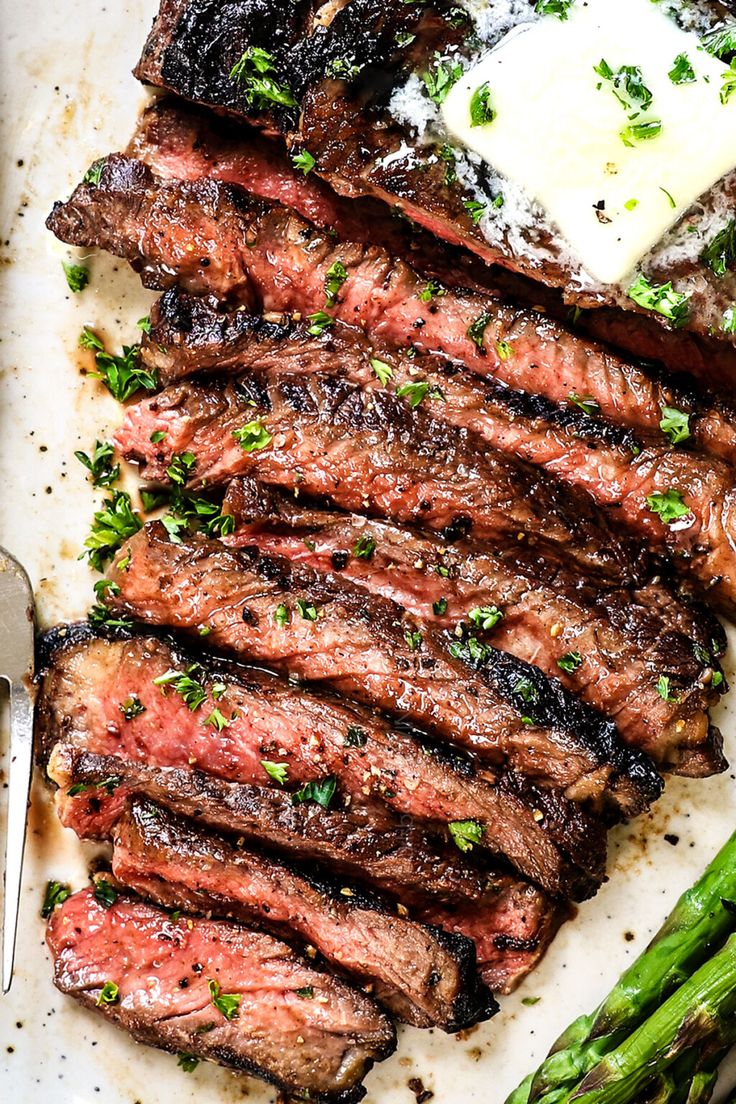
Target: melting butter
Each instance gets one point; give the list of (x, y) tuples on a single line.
[(557, 126)]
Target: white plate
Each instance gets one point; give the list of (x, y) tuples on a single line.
[(69, 99)]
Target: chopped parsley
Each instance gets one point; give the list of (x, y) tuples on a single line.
[(109, 994), (336, 276), (227, 1003), (109, 785), (77, 276), (675, 424), (664, 691), (111, 526), (303, 160), (56, 893), (660, 298), (308, 610), (586, 403), (631, 204), (253, 436), (481, 108), (476, 330), (278, 771), (439, 608), (255, 73), (122, 375), (570, 661), (504, 350), (192, 692), (281, 615), (144, 324), (416, 392), (471, 650), (670, 198), (721, 43), (305, 993), (93, 174), (321, 791), (345, 68), (728, 325), (104, 473), (319, 322), (433, 289), (627, 85), (475, 209), (465, 834), (355, 737), (383, 371), (485, 617), (729, 83), (105, 894), (439, 81), (640, 132), (187, 1061), (364, 547), (217, 720), (720, 253), (132, 707), (181, 467), (526, 690), (413, 638), (560, 8), (669, 506), (682, 71)]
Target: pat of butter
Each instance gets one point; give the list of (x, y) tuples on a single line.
[(557, 134)]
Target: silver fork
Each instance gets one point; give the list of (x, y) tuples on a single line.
[(16, 668)]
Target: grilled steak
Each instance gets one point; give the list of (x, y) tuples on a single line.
[(419, 973), (367, 646), (626, 475), (615, 644), (165, 752), (164, 981), (269, 259), (382, 135)]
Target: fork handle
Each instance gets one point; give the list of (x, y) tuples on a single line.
[(19, 783)]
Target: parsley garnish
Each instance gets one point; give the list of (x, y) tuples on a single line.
[(728, 325), (471, 650), (504, 350), (433, 289), (416, 392), (278, 771), (255, 72), (447, 154), (113, 524), (720, 253), (132, 707), (105, 894), (661, 298), (664, 691), (526, 690), (281, 615), (305, 993), (109, 785), (465, 834), (109, 994), (640, 132), (253, 436), (439, 608), (476, 330), (144, 324), (77, 276), (439, 81), (56, 893), (187, 1061), (192, 692), (570, 662), (383, 370), (99, 464), (346, 68), (364, 548), (729, 83), (481, 109), (586, 403), (485, 617), (413, 638), (227, 1003), (303, 160), (355, 737), (670, 505), (321, 790), (627, 85), (217, 720), (682, 71), (675, 424), (122, 375), (475, 209), (319, 322), (721, 43), (94, 172), (181, 467), (308, 610), (336, 276)]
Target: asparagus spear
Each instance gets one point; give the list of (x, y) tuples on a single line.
[(699, 1013), (699, 922)]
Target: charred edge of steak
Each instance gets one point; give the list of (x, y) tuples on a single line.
[(147, 831), (78, 972)]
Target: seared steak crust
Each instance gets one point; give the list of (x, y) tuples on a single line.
[(323, 1046), (421, 974)]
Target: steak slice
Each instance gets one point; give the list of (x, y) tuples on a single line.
[(621, 473), (158, 978), (217, 776), (421, 974), (363, 447), (614, 644), (356, 643)]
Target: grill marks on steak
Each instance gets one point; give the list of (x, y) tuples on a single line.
[(618, 471), (163, 967), (213, 239), (425, 977), (627, 638)]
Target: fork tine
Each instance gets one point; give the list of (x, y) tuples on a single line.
[(21, 767)]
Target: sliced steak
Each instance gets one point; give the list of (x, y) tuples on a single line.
[(357, 643), (160, 978), (615, 644), (165, 752), (624, 474), (214, 239), (419, 973)]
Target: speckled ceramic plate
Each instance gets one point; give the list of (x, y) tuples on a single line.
[(68, 97)]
